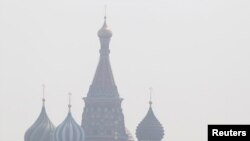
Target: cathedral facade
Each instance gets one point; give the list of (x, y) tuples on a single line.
[(102, 118)]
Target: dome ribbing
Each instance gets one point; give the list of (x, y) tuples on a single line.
[(69, 130), (41, 130)]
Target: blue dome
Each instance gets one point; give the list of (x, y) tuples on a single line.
[(150, 128), (69, 130), (41, 130)]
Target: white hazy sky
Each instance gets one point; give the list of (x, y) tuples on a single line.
[(194, 53)]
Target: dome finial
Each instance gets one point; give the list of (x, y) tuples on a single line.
[(105, 12), (150, 96), (69, 102), (105, 32), (43, 99)]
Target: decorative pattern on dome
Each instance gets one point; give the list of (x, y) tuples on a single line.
[(150, 128), (69, 130), (41, 130)]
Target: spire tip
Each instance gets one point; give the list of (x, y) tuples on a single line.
[(43, 99), (105, 12), (69, 105), (150, 96)]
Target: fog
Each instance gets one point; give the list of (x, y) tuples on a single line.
[(194, 53)]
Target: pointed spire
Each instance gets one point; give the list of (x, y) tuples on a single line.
[(43, 94), (69, 105), (103, 84)]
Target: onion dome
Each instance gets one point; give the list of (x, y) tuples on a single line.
[(130, 136), (42, 129), (150, 128), (69, 130), (105, 32)]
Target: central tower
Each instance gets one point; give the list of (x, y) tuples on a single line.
[(102, 118)]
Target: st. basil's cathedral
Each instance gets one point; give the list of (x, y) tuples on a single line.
[(102, 118)]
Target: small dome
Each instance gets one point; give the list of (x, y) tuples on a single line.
[(150, 128), (69, 130), (41, 130), (105, 32)]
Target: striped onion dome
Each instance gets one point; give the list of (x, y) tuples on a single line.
[(41, 130), (69, 130), (150, 128)]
